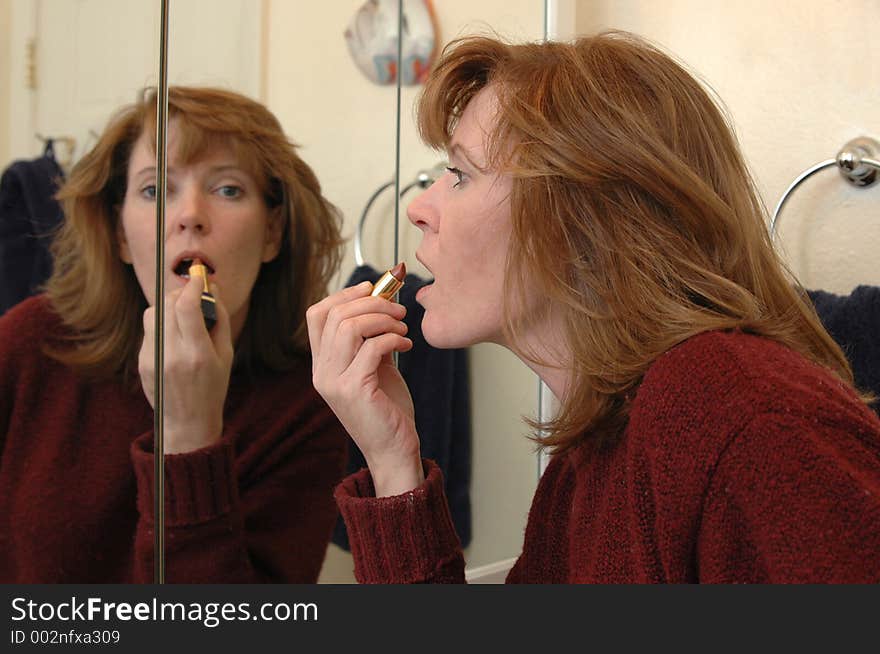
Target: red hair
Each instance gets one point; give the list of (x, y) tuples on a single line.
[(633, 213)]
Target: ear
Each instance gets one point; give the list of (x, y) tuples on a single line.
[(274, 234), (122, 240)]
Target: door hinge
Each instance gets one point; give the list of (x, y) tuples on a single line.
[(31, 63)]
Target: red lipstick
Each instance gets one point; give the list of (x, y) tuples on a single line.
[(209, 305), (390, 282)]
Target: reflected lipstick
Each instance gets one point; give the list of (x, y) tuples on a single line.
[(209, 305), (390, 282)]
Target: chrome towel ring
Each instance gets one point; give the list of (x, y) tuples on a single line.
[(858, 164)]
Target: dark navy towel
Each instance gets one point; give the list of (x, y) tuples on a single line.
[(854, 323), (29, 214), (439, 384)]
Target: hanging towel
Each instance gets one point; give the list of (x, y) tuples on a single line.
[(438, 382), (29, 214), (853, 321)]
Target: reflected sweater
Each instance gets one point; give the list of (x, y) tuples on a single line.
[(76, 475), (741, 462)]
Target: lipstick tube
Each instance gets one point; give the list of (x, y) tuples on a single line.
[(390, 282), (209, 304)]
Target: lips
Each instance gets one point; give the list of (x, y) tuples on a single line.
[(185, 259)]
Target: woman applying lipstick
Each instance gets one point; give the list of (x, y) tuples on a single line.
[(252, 453), (599, 221)]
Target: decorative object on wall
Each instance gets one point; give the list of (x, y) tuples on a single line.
[(372, 40)]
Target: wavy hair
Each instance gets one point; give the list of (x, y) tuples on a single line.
[(97, 295), (633, 213)]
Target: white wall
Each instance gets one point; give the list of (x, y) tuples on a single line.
[(800, 79)]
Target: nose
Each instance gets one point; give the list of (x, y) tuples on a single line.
[(189, 211), (423, 211)]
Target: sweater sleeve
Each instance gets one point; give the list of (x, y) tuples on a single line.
[(792, 503), (229, 519), (404, 539)]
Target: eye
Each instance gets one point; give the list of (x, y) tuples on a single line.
[(148, 192), (458, 175), (230, 191)]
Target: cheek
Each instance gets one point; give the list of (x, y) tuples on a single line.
[(138, 230)]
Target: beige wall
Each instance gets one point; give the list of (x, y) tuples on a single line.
[(800, 79), (5, 55)]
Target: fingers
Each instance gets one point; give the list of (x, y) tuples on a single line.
[(316, 315), (185, 306), (148, 345), (374, 352), (146, 355), (341, 347), (348, 325)]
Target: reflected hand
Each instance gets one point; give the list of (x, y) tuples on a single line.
[(197, 366), (353, 336)]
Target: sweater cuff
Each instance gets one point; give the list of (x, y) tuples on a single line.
[(400, 539), (199, 486)]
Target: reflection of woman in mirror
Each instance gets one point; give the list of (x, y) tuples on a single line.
[(599, 221), (252, 452)]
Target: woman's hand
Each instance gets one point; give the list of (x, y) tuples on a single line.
[(353, 336), (197, 368)]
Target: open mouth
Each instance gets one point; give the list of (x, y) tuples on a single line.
[(182, 267)]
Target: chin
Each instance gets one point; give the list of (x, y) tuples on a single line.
[(445, 337)]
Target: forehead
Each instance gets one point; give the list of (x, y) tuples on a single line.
[(189, 145), (474, 128)]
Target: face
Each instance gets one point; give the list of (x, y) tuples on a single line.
[(466, 227), (214, 211)]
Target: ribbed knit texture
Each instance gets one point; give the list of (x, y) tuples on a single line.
[(77, 476), (416, 530), (742, 462)]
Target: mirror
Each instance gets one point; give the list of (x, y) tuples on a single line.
[(68, 490), (504, 464), (345, 124), (294, 59)]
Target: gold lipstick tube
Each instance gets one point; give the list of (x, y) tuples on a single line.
[(209, 304), (390, 282)]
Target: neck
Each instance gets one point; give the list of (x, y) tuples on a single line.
[(236, 323), (546, 343)]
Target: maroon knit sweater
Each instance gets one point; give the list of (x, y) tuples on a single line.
[(76, 475), (742, 462)]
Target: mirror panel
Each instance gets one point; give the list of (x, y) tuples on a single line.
[(504, 464), (70, 515), (294, 59)]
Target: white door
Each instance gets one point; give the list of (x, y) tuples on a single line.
[(92, 56)]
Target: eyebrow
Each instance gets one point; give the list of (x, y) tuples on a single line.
[(456, 148), (213, 169)]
